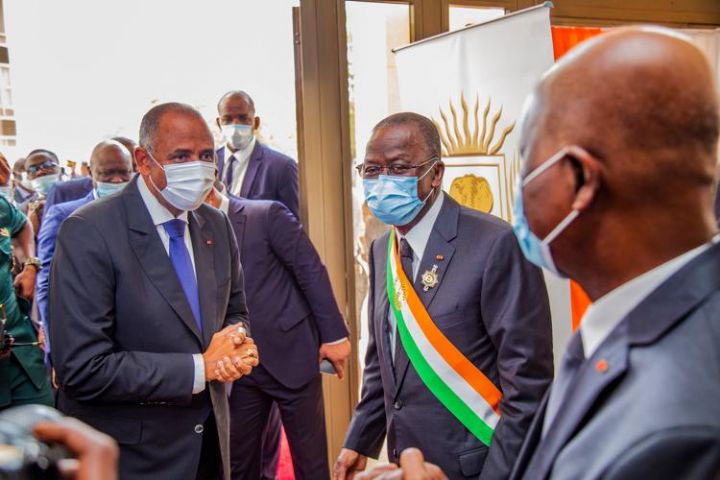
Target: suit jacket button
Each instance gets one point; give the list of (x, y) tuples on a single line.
[(199, 428), (398, 405)]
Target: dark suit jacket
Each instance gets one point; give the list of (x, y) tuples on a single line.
[(493, 306), (52, 219), (652, 410), (288, 290), (270, 176), (69, 190), (123, 331)]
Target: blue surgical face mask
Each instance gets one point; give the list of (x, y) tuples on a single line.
[(394, 199), (103, 189), (45, 183), (7, 192), (535, 250)]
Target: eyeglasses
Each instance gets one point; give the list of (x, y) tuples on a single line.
[(47, 165), (395, 169)]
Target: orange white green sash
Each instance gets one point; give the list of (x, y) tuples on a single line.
[(459, 385)]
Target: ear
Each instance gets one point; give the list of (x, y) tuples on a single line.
[(142, 160), (588, 181), (256, 124), (438, 175)]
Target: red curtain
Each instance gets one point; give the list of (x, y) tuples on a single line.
[(564, 39)]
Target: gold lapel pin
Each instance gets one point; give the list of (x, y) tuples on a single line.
[(439, 258)]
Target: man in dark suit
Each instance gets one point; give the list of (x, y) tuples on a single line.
[(638, 391), (146, 291), (252, 170), (111, 169), (248, 168), (486, 305), (295, 322)]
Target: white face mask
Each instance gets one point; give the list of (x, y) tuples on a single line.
[(238, 136), (186, 184), (45, 183), (7, 192)]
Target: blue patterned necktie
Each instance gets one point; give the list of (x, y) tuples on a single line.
[(181, 261)]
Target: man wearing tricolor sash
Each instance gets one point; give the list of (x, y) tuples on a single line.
[(460, 347)]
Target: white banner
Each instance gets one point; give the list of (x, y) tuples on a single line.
[(473, 83)]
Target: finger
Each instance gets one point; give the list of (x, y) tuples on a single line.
[(231, 368), (435, 472), (222, 372), (339, 470), (339, 368), (412, 463), (246, 370)]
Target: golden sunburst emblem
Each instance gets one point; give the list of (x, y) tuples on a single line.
[(473, 136)]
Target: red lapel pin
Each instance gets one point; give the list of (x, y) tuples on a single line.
[(602, 366), (209, 242)]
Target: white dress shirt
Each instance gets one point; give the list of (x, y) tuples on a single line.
[(239, 167), (417, 238), (605, 313), (160, 215)]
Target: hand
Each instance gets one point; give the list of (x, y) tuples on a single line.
[(412, 467), (337, 354), (230, 355), (348, 464), (97, 453), (25, 283), (41, 338)]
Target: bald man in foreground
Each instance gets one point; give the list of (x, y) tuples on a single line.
[(620, 143)]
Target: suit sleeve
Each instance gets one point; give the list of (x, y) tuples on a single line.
[(516, 314), (292, 246), (82, 306), (237, 311), (45, 250), (368, 426), (684, 452), (288, 188)]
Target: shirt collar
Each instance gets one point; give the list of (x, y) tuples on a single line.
[(157, 210), (224, 203), (241, 155), (419, 235), (607, 312)]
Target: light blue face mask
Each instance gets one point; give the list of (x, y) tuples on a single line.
[(394, 199), (7, 192), (535, 250), (45, 183), (103, 189)]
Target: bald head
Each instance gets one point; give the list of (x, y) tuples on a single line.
[(641, 99), (110, 162), (633, 115)]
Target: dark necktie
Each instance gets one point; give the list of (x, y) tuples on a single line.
[(229, 174), (406, 259), (180, 259), (573, 357)]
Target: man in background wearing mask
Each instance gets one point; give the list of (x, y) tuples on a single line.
[(254, 171), (248, 168), (43, 172), (460, 347), (296, 322), (148, 309), (111, 169), (22, 191)]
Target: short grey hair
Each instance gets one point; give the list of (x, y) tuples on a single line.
[(151, 120), (426, 127)]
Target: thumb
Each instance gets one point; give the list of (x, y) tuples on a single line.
[(412, 462)]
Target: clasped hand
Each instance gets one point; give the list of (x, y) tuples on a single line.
[(231, 355)]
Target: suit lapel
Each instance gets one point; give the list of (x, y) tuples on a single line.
[(382, 310), (439, 245), (153, 258), (252, 170), (220, 154), (589, 386), (204, 254), (532, 439)]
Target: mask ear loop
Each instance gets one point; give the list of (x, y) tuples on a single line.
[(432, 190)]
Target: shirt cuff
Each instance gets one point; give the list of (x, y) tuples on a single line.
[(336, 341), (199, 377)]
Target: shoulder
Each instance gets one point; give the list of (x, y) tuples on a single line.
[(477, 220), (276, 158)]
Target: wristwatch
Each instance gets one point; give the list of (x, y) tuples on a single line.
[(34, 262)]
